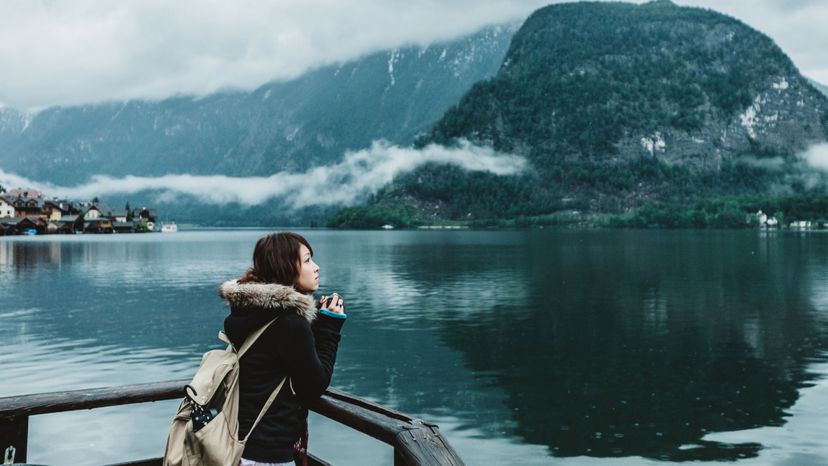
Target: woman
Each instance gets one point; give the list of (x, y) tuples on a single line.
[(301, 344)]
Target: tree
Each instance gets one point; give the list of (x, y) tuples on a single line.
[(128, 209), (2, 189)]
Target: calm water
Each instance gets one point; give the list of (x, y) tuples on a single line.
[(595, 347)]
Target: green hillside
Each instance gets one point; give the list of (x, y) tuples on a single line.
[(618, 106)]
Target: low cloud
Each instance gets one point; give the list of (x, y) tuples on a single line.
[(770, 163), (345, 183), (817, 156)]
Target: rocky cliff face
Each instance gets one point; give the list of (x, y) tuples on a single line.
[(393, 95), (783, 119)]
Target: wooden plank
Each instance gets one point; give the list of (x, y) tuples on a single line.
[(147, 462), (56, 402), (367, 422), (415, 442), (15, 432), (425, 445), (363, 403), (312, 461), (399, 460)]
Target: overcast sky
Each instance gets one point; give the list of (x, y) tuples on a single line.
[(80, 51)]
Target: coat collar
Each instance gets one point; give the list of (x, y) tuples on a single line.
[(268, 296)]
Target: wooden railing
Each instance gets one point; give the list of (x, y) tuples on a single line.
[(415, 442)]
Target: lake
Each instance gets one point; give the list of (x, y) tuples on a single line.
[(598, 347)]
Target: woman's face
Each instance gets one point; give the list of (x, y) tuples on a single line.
[(308, 279)]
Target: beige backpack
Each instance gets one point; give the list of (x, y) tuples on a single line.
[(205, 431)]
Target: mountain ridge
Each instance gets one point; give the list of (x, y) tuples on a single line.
[(281, 126), (617, 106)]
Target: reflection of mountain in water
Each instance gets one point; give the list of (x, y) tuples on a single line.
[(593, 343), (641, 343), (392, 350)]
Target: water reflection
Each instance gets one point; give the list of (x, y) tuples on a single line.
[(643, 343), (116, 291), (642, 346)]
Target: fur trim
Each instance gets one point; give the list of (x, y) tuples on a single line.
[(268, 296)]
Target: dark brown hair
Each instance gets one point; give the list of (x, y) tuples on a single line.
[(276, 259)]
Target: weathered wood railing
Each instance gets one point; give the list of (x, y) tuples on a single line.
[(415, 442)]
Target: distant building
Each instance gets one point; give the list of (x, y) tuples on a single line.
[(148, 216), (23, 225), (97, 225), (762, 217), (123, 227), (6, 208), (27, 211), (57, 208), (51, 211), (69, 224), (27, 206), (119, 216), (93, 213), (25, 192)]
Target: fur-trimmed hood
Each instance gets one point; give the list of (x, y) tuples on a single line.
[(268, 297)]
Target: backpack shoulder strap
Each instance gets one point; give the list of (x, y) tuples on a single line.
[(265, 408), (246, 346), (252, 339)]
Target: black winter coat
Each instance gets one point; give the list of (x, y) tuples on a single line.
[(300, 344)]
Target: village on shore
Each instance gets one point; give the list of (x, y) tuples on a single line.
[(30, 212)]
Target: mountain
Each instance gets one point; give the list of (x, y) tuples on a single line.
[(394, 95), (12, 123), (617, 106), (820, 87)]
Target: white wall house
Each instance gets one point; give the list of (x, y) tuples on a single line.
[(763, 218), (92, 213), (6, 209)]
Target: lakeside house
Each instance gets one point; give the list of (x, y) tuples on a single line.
[(765, 221), (801, 225), (30, 225), (69, 224), (98, 225), (148, 216), (94, 212), (27, 207), (30, 212), (6, 208), (123, 227), (119, 216)]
